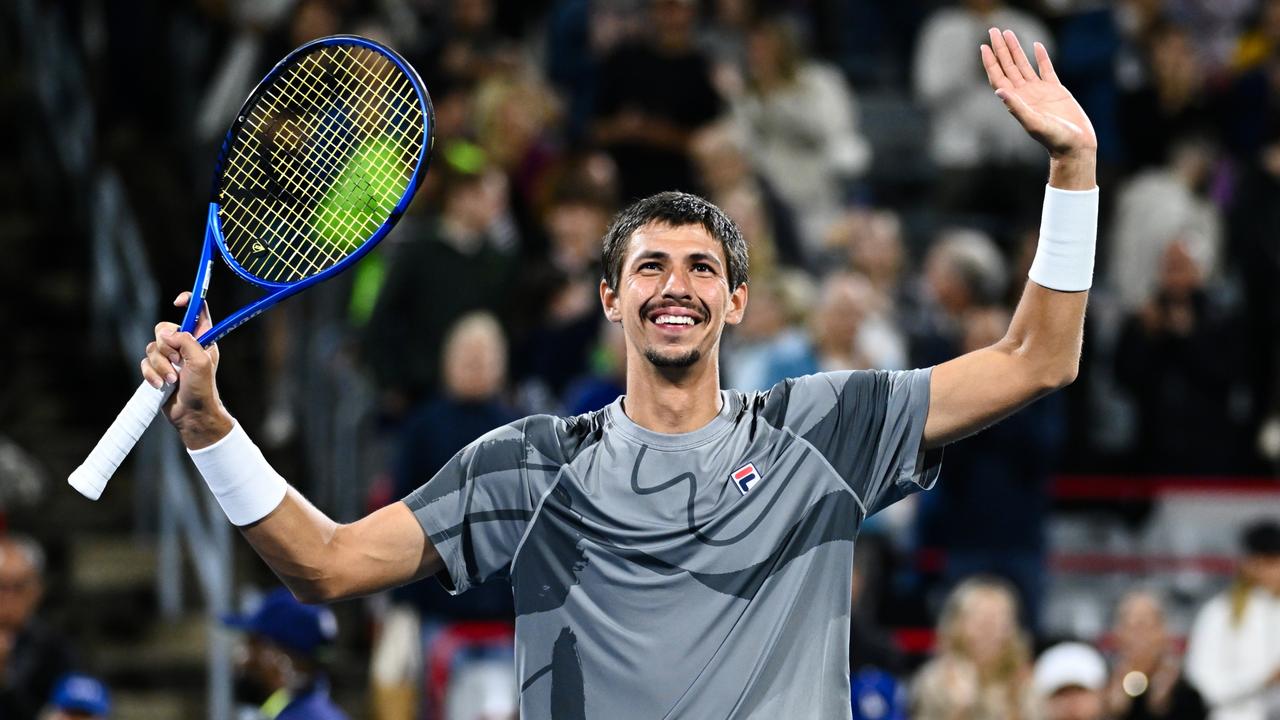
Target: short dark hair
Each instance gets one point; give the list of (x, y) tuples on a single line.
[(675, 209)]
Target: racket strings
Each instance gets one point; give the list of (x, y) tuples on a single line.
[(319, 163)]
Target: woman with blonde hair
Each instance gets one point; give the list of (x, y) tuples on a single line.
[(983, 669), (1233, 654)]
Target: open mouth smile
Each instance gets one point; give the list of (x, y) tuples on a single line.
[(674, 318)]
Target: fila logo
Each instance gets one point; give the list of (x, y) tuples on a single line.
[(745, 477)]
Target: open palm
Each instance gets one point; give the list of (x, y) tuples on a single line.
[(1045, 108)]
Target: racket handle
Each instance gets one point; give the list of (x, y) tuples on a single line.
[(90, 479)]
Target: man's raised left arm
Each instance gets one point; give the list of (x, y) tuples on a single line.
[(1040, 352)]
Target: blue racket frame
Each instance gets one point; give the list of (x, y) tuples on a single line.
[(213, 226)]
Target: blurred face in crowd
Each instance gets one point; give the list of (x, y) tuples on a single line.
[(673, 20), (987, 624), (478, 202), (944, 282), (1180, 273), (472, 15), (846, 301), (313, 19), (475, 359), (575, 229), (1140, 633), (673, 297), (1074, 703), (20, 587), (1264, 571), (721, 164)]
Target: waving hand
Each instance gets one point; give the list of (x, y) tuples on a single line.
[(1045, 108)]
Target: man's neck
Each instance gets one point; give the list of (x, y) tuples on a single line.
[(667, 400)]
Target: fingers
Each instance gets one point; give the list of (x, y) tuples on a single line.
[(1045, 64), (1019, 57), (182, 299), (995, 75), (1007, 64), (160, 364)]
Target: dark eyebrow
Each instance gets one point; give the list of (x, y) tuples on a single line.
[(704, 257), (661, 255)]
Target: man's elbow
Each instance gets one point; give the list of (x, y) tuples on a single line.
[(314, 591), (1058, 375)]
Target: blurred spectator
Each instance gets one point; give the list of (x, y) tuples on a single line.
[(991, 515), (871, 241), (982, 667), (1233, 654), (1069, 681), (877, 695), (1146, 673), (1254, 226), (871, 647), (607, 378), (963, 271), (726, 175), (1176, 357), (800, 121), (280, 669), (1260, 40), (1158, 207), (651, 95), (515, 117), (32, 655), (837, 340), (556, 299), (462, 261), (983, 153), (1167, 101), (771, 334), (470, 405), (464, 45), (78, 697)]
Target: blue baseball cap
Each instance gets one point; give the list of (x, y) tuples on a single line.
[(288, 623), (82, 694)]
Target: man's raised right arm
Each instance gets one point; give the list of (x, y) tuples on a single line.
[(318, 559)]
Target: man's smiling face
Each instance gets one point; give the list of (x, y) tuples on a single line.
[(673, 297)]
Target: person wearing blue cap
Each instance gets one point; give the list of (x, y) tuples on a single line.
[(280, 670), (78, 697)]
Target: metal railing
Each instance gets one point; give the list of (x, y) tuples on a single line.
[(123, 292)]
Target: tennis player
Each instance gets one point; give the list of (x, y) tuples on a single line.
[(686, 551)]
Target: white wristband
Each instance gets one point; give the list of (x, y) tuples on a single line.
[(246, 485), (1068, 236)]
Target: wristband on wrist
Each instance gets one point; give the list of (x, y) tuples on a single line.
[(242, 480), (1068, 238)]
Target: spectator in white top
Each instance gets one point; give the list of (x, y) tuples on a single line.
[(1157, 208), (969, 133), (800, 121), (1233, 655)]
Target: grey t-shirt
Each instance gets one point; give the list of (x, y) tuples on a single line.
[(699, 575)]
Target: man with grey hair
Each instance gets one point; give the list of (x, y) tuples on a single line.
[(32, 656)]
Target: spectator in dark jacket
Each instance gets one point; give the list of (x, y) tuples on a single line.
[(32, 656)]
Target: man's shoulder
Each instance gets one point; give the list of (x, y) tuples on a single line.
[(556, 438)]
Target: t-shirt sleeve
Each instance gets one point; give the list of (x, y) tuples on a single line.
[(476, 508), (868, 425)]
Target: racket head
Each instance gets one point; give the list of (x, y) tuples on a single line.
[(321, 161)]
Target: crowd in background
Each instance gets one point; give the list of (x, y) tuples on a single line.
[(890, 205)]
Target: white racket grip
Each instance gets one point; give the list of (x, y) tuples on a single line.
[(90, 479)]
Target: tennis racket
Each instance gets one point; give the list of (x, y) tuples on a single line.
[(319, 164)]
